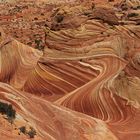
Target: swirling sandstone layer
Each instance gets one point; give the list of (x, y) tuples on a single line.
[(85, 83), (51, 121)]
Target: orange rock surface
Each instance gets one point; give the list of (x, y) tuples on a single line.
[(80, 81)]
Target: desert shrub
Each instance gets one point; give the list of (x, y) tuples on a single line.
[(31, 132), (8, 110), (35, 18), (23, 129), (29, 43), (138, 7), (110, 0), (92, 6), (39, 45), (124, 7), (59, 18), (132, 15), (87, 13)]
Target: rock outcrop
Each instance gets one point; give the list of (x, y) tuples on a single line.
[(84, 84)]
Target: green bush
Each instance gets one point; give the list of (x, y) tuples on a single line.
[(59, 18), (8, 110), (23, 129), (138, 7), (132, 15), (32, 132), (39, 45)]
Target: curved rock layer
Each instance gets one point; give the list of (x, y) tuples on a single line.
[(85, 84), (55, 80), (51, 121), (17, 61)]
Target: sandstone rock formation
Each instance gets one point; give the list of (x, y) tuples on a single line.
[(84, 84)]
